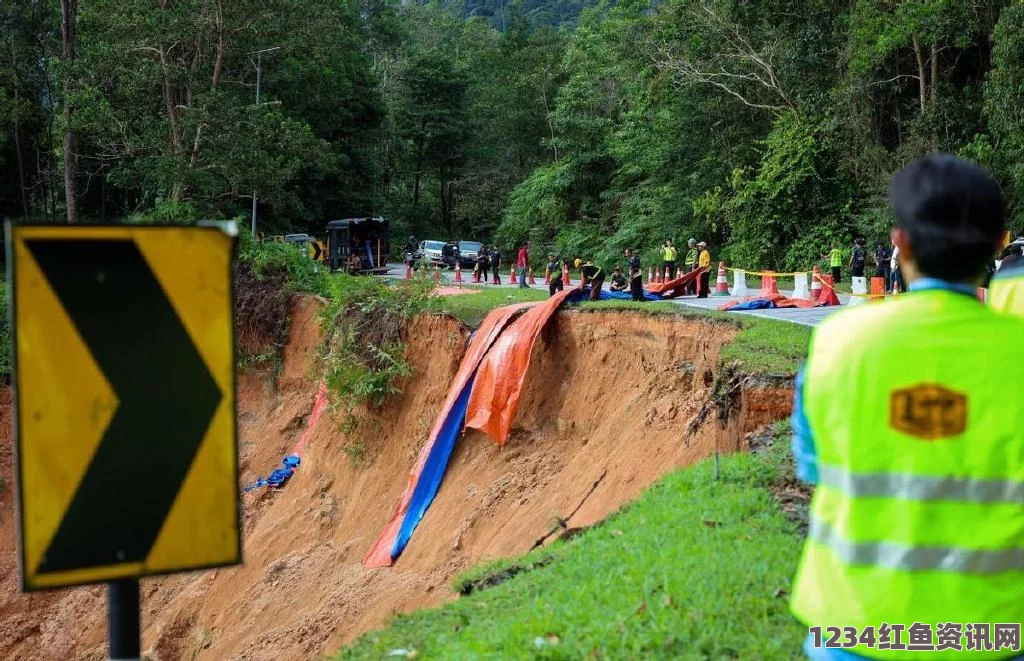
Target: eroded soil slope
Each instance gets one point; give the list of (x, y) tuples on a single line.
[(608, 401)]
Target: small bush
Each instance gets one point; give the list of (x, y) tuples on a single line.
[(268, 274), (362, 352)]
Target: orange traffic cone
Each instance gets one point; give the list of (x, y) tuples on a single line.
[(650, 275), (667, 276), (458, 272), (408, 271), (721, 284), (815, 283), (530, 280), (566, 280), (982, 294), (512, 275), (437, 273)]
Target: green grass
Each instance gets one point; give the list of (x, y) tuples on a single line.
[(472, 308), (697, 568), (762, 346)]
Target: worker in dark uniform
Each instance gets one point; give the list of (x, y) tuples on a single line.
[(618, 280), (410, 249), (592, 275), (636, 278), (555, 274), (483, 263), (496, 264)]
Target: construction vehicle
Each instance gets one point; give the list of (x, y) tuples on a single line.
[(358, 245)]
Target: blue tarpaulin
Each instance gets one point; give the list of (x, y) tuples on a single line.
[(754, 304)]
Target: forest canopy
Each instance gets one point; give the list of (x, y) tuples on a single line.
[(769, 129)]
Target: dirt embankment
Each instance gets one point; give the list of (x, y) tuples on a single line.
[(609, 400)]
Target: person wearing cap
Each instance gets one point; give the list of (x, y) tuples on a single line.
[(905, 420), (636, 282), (619, 282), (1006, 290), (593, 275), (704, 262), (691, 264), (554, 268)]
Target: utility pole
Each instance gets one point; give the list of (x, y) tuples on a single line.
[(259, 80)]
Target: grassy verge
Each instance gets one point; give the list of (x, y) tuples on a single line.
[(762, 346), (472, 308), (699, 567)]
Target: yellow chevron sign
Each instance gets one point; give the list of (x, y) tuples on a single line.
[(125, 396)]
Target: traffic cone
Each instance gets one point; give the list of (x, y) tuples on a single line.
[(721, 283), (437, 273), (566, 280), (458, 272), (512, 274), (667, 276), (408, 271), (982, 294), (650, 275), (530, 280), (815, 283)]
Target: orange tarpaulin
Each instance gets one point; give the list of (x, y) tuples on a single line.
[(674, 288), (381, 555), (499, 381)]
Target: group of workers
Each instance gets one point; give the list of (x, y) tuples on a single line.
[(908, 418)]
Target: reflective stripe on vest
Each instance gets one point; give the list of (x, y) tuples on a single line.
[(890, 555), (922, 487)]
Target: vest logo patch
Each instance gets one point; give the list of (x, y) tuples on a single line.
[(928, 411)]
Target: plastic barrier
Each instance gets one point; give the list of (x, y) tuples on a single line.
[(739, 283), (499, 379), (428, 471), (800, 287), (859, 287)]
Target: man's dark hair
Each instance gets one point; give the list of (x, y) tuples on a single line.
[(952, 211)]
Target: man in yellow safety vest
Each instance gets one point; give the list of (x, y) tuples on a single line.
[(669, 256), (1006, 290), (908, 418)]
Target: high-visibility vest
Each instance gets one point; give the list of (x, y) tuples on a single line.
[(1006, 290), (918, 516)]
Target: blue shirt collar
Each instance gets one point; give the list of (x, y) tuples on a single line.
[(926, 284)]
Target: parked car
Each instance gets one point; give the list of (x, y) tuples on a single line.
[(431, 252), (464, 251)]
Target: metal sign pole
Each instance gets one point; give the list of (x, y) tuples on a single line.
[(123, 630)]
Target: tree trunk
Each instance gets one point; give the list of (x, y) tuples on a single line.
[(17, 138), (922, 79), (935, 73), (69, 18)]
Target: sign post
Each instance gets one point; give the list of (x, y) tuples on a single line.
[(124, 375), (123, 630)]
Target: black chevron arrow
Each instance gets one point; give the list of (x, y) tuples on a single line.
[(166, 395)]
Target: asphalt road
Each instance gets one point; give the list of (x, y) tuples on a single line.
[(804, 316)]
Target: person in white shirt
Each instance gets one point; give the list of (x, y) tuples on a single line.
[(896, 277)]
